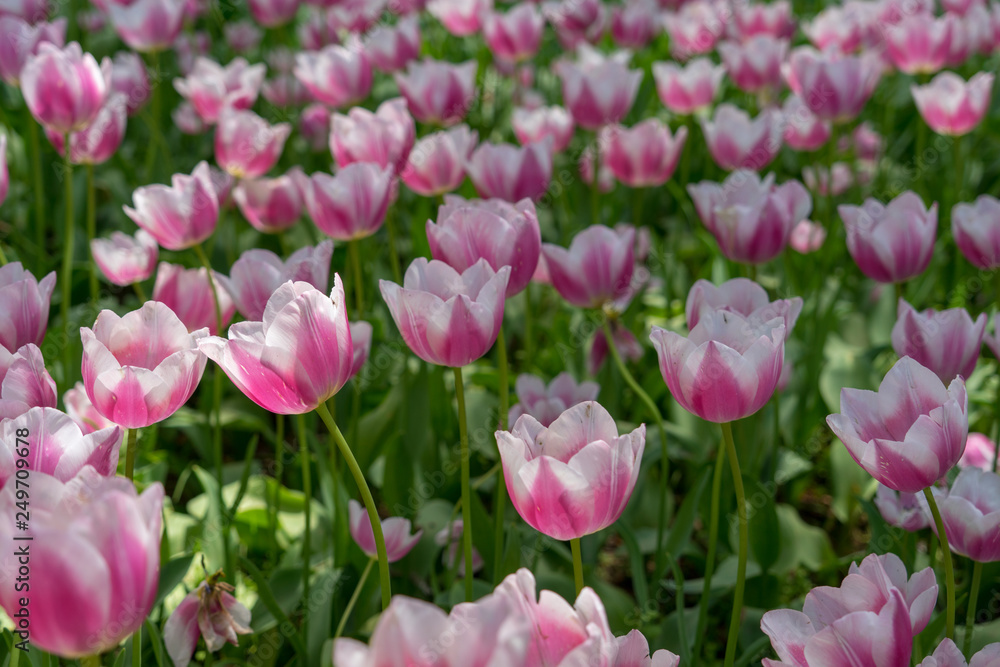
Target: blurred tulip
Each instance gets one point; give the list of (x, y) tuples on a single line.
[(742, 296), (516, 35), (546, 403), (392, 48), (807, 237), (30, 11), (82, 411), (211, 87), (140, 368), (147, 25), (436, 164), (819, 180), (272, 205), (689, 88), (187, 119), (946, 342), (273, 13), (737, 141), (438, 92), (246, 145), (626, 343), (596, 269), (14, 53), (209, 611), (970, 510), (353, 203), (605, 179), (534, 125), (258, 273), (583, 477), (299, 356), (867, 143), (575, 21), (920, 43), (980, 452), (188, 47), (384, 137), (891, 243), (763, 18), (314, 127), (64, 87), (399, 538), (25, 300), (446, 317), (634, 24), (835, 87), (755, 65), (642, 156), (128, 77), (950, 105), (124, 259), (837, 27), (4, 173), (804, 131), (503, 234), (242, 36), (24, 384), (460, 17), (597, 90), (947, 654), (511, 173), (96, 584), (450, 537), (180, 215), (694, 29), (361, 341), (338, 76), (909, 433), (96, 143), (902, 510), (188, 292), (355, 16)]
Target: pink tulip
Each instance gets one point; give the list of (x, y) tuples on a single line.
[(867, 143), (950, 105), (763, 18), (546, 403), (15, 52), (94, 585), (246, 145), (694, 28), (188, 293), (516, 35), (511, 173), (980, 452), (818, 179), (258, 273), (446, 317), (4, 173), (384, 137), (755, 65), (460, 17), (273, 13), (438, 92), (209, 611), (450, 537), (338, 76), (534, 125), (804, 131), (750, 217), (242, 36), (140, 368), (313, 32), (188, 47), (187, 119), (580, 482), (596, 90), (271, 205), (903, 510), (501, 233), (605, 179), (352, 204), (314, 126), (399, 538), (834, 87), (124, 259), (30, 11), (634, 24), (947, 342), (63, 87), (419, 634), (355, 16), (920, 43), (891, 243), (596, 269), (970, 510), (129, 78), (741, 296), (181, 215), (807, 237), (296, 358), (839, 27), (436, 164), (96, 143), (737, 141), (55, 445), (626, 343), (25, 300), (947, 654), (82, 411), (392, 48), (211, 87), (361, 340), (576, 21), (688, 88), (909, 433), (645, 155), (24, 383), (147, 25)]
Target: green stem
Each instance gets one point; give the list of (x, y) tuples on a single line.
[(85, 661), (41, 222), (139, 292), (366, 495), (130, 438), (959, 168), (595, 191), (466, 489), (741, 571), (137, 648), (91, 229), (279, 464), (211, 284), (501, 501), (390, 226), (713, 544), (970, 619), (354, 598), (688, 149), (574, 545), (359, 291), (949, 568), (66, 276), (831, 158), (215, 419), (900, 291), (3, 256), (300, 421), (638, 199)]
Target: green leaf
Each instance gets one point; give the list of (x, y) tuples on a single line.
[(215, 526), (172, 573), (764, 529), (322, 594), (271, 608), (637, 563)]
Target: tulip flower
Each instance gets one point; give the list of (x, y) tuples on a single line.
[(298, 357), (384, 137), (272, 205), (355, 16), (807, 237), (447, 317), (832, 181), (511, 173), (947, 342), (903, 510), (14, 53), (129, 78), (980, 452), (25, 300), (124, 259), (361, 341), (4, 173), (147, 25), (909, 433), (181, 215), (891, 243), (694, 29), (837, 28), (314, 127), (515, 36), (742, 296), (737, 141), (438, 92), (392, 48), (750, 217), (503, 234), (450, 537), (273, 13), (546, 403), (642, 156), (976, 228), (338, 76), (210, 87), (596, 269), (460, 17), (947, 654), (575, 21), (835, 87), (689, 88), (535, 125), (755, 65), (399, 538), (626, 343), (24, 383), (920, 43), (952, 106), (436, 164), (760, 18), (100, 578), (634, 24), (352, 204), (258, 273), (597, 91), (970, 510), (242, 36), (246, 145), (188, 292), (140, 368), (64, 87), (82, 411), (804, 131), (188, 46), (209, 611), (97, 142), (605, 179), (187, 119)]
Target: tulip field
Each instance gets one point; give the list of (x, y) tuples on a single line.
[(470, 333)]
